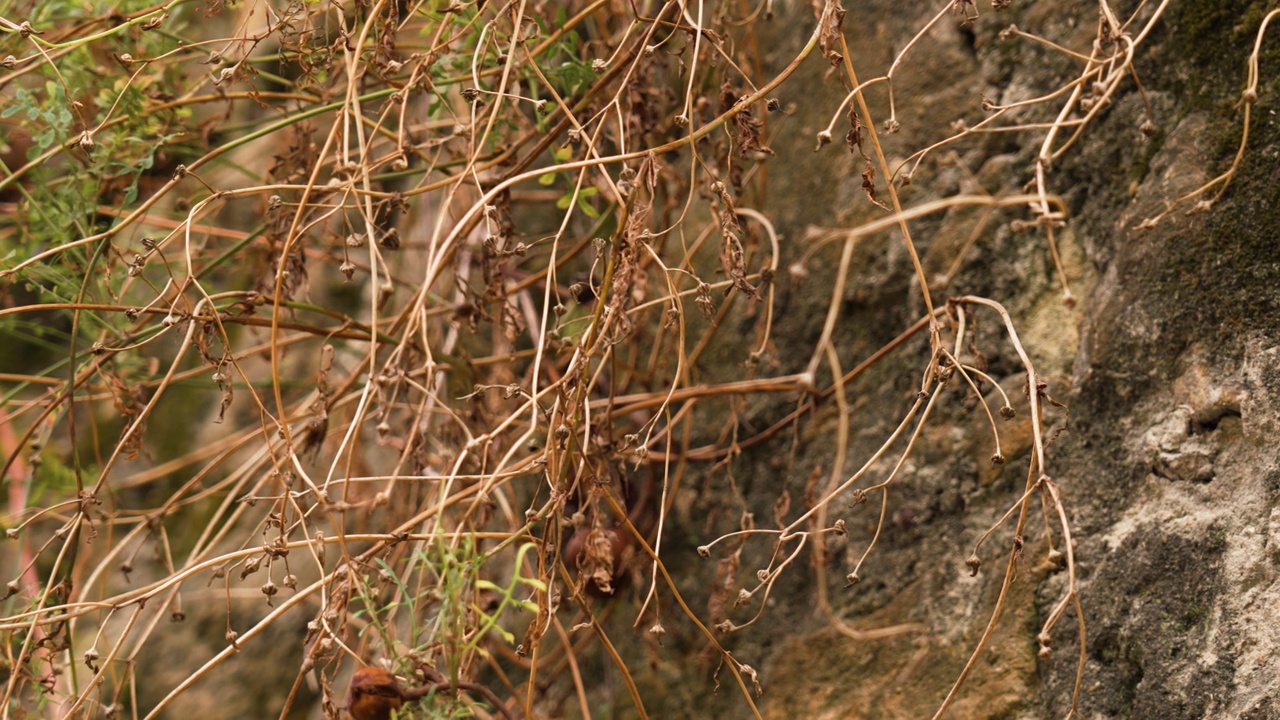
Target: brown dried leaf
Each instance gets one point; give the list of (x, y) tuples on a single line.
[(853, 138), (227, 396), (722, 593), (732, 255), (645, 182), (780, 508), (748, 135), (596, 562), (869, 185), (831, 21), (704, 301), (746, 126)]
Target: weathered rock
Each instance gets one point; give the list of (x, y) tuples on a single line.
[(1169, 363)]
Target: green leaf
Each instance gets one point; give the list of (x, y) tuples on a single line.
[(547, 179), (571, 76), (532, 581)]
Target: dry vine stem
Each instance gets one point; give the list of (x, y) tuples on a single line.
[(433, 288)]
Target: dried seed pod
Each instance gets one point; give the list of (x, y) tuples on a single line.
[(974, 563)]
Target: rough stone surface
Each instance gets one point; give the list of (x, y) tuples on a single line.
[(1169, 364)]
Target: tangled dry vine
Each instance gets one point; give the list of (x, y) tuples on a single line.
[(392, 316)]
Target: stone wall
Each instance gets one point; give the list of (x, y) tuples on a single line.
[(1168, 362)]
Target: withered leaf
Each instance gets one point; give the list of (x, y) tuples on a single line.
[(853, 138), (832, 22), (732, 256), (869, 185)]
